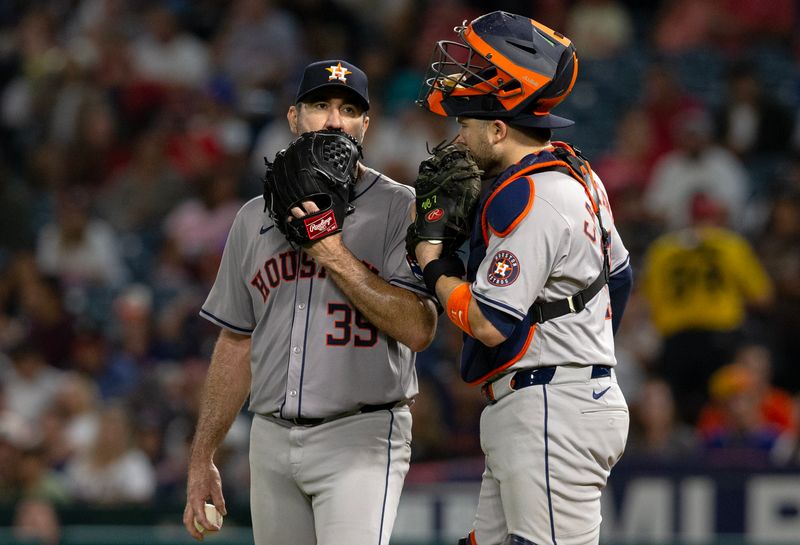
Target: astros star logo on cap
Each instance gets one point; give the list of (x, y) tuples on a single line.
[(338, 72)]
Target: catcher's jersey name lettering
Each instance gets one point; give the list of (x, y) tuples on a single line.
[(284, 268)]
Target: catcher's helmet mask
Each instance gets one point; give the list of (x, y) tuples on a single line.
[(504, 67)]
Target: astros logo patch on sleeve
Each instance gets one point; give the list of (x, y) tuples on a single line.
[(504, 269)]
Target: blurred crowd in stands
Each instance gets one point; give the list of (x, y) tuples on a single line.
[(132, 131)]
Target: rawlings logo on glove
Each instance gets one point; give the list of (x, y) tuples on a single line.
[(322, 227), (318, 167)]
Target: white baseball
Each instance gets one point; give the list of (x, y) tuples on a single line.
[(212, 515)]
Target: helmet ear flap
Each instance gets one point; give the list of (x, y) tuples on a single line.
[(566, 73), (561, 85)]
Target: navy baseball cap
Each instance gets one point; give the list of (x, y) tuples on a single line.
[(545, 121), (332, 74)]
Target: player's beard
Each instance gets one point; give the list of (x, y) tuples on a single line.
[(487, 159)]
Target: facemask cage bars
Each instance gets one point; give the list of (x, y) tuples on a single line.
[(459, 67)]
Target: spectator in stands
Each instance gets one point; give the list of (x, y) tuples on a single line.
[(216, 115), (29, 383), (750, 121), (656, 431), (52, 437), (779, 249), (268, 141), (599, 28), (167, 54), (625, 171), (37, 480), (700, 283), (178, 327), (199, 225), (333, 29), (14, 428), (9, 460), (81, 250), (16, 434), (786, 451), (742, 435), (685, 25), (91, 135), (42, 313), (663, 100), (741, 24), (36, 520), (464, 404), (251, 30), (437, 22), (92, 356), (113, 471), (40, 59), (626, 168), (138, 197), (396, 148), (16, 224), (431, 438), (731, 25), (636, 343), (775, 403), (697, 166), (133, 332), (78, 402)]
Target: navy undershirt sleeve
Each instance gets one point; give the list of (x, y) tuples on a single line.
[(619, 289)]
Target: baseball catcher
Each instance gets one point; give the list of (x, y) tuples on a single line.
[(448, 187), (319, 167)]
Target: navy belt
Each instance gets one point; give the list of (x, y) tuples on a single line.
[(309, 422), (532, 377)]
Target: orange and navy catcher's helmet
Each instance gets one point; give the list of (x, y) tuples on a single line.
[(505, 66)]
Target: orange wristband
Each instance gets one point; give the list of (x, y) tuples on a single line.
[(458, 307)]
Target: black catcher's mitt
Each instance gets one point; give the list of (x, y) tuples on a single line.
[(448, 188), (320, 167)]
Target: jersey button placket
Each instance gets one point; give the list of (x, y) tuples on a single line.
[(299, 319)]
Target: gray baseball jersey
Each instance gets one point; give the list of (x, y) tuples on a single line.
[(313, 354), (542, 244)]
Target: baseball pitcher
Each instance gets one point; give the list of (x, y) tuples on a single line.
[(320, 315)]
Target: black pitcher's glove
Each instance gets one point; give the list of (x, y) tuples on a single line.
[(319, 167), (448, 188)]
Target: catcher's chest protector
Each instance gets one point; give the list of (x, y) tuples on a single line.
[(480, 362)]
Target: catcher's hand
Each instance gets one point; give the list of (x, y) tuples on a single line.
[(448, 188), (319, 167)]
